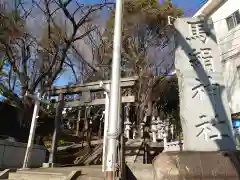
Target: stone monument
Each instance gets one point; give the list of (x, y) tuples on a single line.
[(204, 109), (204, 112)]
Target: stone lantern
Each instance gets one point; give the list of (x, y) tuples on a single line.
[(154, 129), (142, 124), (159, 128), (127, 129)]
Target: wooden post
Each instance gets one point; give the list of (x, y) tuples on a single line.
[(100, 126), (122, 147), (85, 126), (88, 126), (56, 129), (145, 160), (78, 121), (90, 131)]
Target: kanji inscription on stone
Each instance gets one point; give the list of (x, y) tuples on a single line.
[(199, 91), (207, 59), (198, 31), (203, 59), (211, 89), (205, 130), (198, 67), (208, 128)]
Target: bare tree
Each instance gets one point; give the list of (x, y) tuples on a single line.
[(35, 62)]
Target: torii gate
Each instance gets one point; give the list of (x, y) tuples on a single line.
[(86, 90)]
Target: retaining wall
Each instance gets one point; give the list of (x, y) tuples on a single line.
[(12, 155)]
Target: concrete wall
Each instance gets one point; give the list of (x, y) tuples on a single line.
[(12, 155), (229, 44)]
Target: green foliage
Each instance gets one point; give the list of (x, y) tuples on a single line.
[(139, 14), (168, 97), (48, 143), (145, 27)]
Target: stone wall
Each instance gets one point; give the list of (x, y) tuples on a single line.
[(12, 155)]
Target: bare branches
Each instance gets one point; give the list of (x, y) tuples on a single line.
[(82, 59), (58, 56), (84, 34), (52, 50), (26, 12), (71, 65), (63, 6)]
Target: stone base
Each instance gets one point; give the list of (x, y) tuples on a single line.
[(197, 166), (50, 165)]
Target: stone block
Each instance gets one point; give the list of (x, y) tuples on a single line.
[(197, 166)]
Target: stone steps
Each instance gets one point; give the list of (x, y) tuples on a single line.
[(85, 177), (134, 171), (24, 175), (67, 173)]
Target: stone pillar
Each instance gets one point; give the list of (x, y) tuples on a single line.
[(141, 129), (127, 123), (166, 128), (127, 129), (165, 141), (154, 129), (134, 130), (204, 111), (172, 131), (159, 128)]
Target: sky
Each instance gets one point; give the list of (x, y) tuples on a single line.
[(189, 8)]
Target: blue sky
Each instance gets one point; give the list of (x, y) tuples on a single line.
[(189, 8)]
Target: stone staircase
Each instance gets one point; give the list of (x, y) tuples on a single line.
[(133, 151), (63, 173), (134, 171), (25, 175)]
